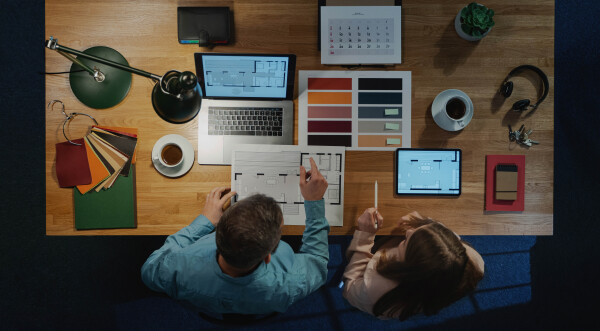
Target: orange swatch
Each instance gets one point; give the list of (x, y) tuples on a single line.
[(97, 169), (338, 98), (378, 141)]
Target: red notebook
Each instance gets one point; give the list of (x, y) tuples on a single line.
[(492, 204)]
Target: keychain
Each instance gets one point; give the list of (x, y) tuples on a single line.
[(68, 118), (521, 137)]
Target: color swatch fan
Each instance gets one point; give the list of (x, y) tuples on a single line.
[(109, 200)]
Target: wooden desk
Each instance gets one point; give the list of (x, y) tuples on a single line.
[(145, 32)]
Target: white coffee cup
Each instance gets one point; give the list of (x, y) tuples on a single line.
[(452, 110), (170, 155)]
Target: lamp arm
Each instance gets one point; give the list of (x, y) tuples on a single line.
[(77, 61), (53, 45)]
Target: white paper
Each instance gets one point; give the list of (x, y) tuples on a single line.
[(274, 170), (361, 34), (398, 112)]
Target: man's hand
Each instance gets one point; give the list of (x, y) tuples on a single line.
[(312, 184), (366, 221), (215, 200)]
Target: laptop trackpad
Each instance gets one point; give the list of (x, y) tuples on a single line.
[(209, 149)]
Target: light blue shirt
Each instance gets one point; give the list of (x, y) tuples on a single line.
[(186, 268)]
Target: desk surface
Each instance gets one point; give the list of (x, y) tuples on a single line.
[(146, 34)]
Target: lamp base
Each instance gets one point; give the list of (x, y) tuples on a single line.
[(105, 94)]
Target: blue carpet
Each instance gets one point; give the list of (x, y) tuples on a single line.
[(94, 283), (507, 283)]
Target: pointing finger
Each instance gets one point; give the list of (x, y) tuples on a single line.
[(313, 166)]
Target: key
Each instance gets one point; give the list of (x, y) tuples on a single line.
[(511, 134)]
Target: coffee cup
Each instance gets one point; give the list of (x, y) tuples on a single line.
[(456, 110), (170, 155), (452, 110)]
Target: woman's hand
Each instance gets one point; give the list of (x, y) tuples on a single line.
[(370, 221)]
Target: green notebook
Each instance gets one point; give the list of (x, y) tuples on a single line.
[(108, 209)]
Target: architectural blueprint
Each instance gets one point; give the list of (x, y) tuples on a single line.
[(274, 170)]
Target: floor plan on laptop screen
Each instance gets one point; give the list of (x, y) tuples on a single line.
[(274, 170)]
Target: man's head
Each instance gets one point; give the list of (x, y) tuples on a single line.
[(249, 231)]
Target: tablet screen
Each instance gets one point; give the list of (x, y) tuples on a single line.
[(428, 171)]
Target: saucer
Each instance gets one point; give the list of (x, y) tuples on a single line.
[(441, 119), (188, 155)]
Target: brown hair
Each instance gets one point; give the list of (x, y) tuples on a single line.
[(249, 230), (436, 272)]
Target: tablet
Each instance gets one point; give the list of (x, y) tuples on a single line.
[(427, 171)]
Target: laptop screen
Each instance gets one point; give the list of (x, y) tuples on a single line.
[(246, 76)]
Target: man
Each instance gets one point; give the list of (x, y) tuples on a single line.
[(242, 267)]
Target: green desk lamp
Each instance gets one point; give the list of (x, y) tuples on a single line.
[(106, 79)]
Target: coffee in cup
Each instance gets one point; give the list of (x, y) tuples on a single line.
[(171, 155), (456, 108)]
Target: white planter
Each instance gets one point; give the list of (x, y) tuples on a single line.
[(462, 34)]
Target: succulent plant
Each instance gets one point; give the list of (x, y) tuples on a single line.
[(476, 19)]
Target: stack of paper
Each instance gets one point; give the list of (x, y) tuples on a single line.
[(110, 153)]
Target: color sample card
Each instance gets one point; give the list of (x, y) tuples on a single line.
[(359, 110)]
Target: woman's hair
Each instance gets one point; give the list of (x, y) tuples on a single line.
[(249, 230), (436, 272)]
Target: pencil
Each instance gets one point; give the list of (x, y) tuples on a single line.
[(375, 204)]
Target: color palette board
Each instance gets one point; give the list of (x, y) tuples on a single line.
[(360, 110)]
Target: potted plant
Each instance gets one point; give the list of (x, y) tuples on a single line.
[(474, 21)]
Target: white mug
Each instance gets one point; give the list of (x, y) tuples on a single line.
[(458, 110), (170, 155), (452, 110)]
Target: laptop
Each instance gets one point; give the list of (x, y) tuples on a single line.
[(248, 99)]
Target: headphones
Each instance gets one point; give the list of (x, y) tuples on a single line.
[(507, 88)]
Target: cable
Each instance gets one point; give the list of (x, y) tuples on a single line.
[(61, 72)]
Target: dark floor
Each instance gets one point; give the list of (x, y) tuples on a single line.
[(93, 282)]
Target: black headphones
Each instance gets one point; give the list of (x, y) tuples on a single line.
[(507, 88)]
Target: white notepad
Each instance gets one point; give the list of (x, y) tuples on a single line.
[(361, 34)]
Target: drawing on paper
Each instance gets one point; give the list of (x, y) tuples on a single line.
[(274, 170)]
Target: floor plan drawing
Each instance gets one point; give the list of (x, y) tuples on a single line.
[(274, 170), (248, 74)]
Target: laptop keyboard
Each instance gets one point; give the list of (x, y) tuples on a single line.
[(236, 121)]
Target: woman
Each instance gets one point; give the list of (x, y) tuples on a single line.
[(422, 271)]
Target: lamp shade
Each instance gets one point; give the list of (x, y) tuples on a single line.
[(177, 97)]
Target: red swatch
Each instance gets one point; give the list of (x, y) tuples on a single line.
[(329, 112), (329, 126), (491, 203), (330, 83), (72, 167)]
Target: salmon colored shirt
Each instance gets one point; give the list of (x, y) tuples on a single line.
[(363, 285)]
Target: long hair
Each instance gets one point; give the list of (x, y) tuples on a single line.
[(249, 230), (436, 272)]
